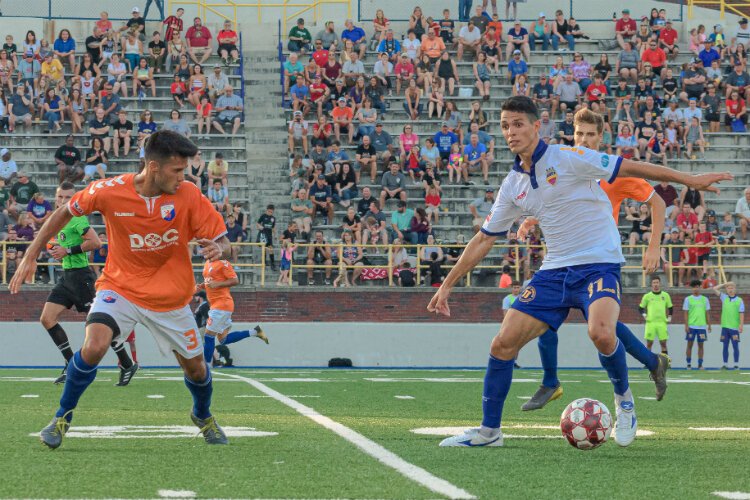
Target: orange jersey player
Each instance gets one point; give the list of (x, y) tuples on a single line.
[(218, 277), (151, 217)]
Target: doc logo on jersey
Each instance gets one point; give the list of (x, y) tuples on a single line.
[(167, 212)]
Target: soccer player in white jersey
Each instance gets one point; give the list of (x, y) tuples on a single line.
[(556, 184)]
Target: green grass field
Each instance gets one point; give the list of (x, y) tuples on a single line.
[(304, 459)]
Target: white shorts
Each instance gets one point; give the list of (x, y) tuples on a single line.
[(173, 330), (218, 320)]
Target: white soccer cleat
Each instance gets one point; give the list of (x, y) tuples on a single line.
[(472, 437), (627, 424)]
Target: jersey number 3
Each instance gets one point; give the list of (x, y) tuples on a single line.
[(192, 340)]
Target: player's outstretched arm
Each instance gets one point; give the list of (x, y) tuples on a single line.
[(215, 250), (649, 171), (479, 246), (54, 224), (653, 252)]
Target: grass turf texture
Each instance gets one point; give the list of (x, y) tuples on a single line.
[(307, 461)]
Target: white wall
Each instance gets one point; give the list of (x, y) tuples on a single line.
[(367, 344)]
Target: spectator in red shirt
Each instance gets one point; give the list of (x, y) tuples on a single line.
[(668, 40), (198, 41), (656, 56), (228, 40), (320, 55), (705, 238), (597, 91), (319, 94), (174, 25), (625, 28), (689, 259), (322, 131), (736, 110), (687, 221)]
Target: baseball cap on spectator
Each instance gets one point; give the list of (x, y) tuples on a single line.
[(743, 20), (693, 99), (489, 190), (22, 173), (298, 113), (516, 52), (321, 177), (541, 14), (378, 124), (626, 11), (300, 21), (342, 99), (675, 230), (627, 101), (4, 151), (29, 53), (339, 80), (669, 21), (710, 213), (135, 9), (517, 21), (48, 55), (217, 66), (444, 124)]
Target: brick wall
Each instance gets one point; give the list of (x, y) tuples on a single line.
[(305, 305)]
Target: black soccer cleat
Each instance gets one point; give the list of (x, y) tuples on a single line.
[(63, 375), (126, 375)]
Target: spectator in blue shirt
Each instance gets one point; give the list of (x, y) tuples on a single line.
[(444, 139), (517, 66), (475, 156), (65, 49), (518, 39), (390, 46), (708, 54), (356, 35)]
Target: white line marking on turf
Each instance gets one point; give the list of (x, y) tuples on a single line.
[(686, 381), (647, 398), (733, 495), (176, 494), (408, 470), (29, 395), (452, 431), (715, 429), (155, 396), (524, 397), (404, 397), (153, 432), (257, 396)]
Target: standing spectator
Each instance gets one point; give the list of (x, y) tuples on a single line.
[(39, 209), (96, 160), (123, 130), (625, 29), (65, 48), (518, 39), (322, 198), (357, 36), (8, 167), (464, 10), (198, 41), (228, 40), (173, 25), (176, 50), (742, 210), (229, 108), (656, 309)]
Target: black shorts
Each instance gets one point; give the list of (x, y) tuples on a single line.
[(703, 258), (713, 117), (694, 93), (229, 47), (76, 288), (265, 237)]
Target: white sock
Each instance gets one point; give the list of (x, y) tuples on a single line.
[(489, 432), (628, 396)]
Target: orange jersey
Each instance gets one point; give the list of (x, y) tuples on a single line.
[(626, 187), (149, 258), (219, 298)]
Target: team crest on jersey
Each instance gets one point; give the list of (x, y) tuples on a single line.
[(167, 212), (605, 161), (528, 294), (551, 175), (109, 299), (61, 236)]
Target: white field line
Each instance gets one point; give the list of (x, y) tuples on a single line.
[(732, 495), (719, 429), (369, 447), (176, 494)]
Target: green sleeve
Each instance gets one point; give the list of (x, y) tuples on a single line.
[(669, 300), (643, 301)]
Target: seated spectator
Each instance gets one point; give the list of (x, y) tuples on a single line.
[(625, 29), (228, 39), (319, 93), (302, 212), (346, 185), (374, 224), (176, 49), (432, 203), (300, 94), (738, 81), (146, 127), (404, 71), (469, 38), (122, 133), (657, 148), (742, 211), (411, 46), (357, 36), (432, 46), (39, 209), (351, 256), (376, 94), (322, 198), (52, 68), (116, 75), (521, 87), (672, 138), (204, 116), (406, 278), (99, 127), (694, 138), (628, 61), (491, 48), (29, 70), (319, 254), (412, 104), (297, 132), (328, 37), (143, 76), (65, 48), (668, 40), (11, 49), (518, 39), (96, 160), (390, 46), (197, 171), (544, 96), (198, 39), (687, 221), (482, 77), (177, 124), (627, 144), (218, 195), (480, 209), (540, 30), (366, 116), (75, 108), (20, 106), (516, 67), (132, 50), (322, 133), (353, 70), (708, 54), (547, 128), (366, 159), (299, 38), (342, 120), (24, 232), (644, 131), (562, 32), (393, 184), (229, 108), (569, 94), (692, 111), (157, 52), (68, 160), (21, 193), (581, 70), (234, 235), (196, 85), (429, 239), (8, 167), (218, 169), (216, 82), (429, 155)]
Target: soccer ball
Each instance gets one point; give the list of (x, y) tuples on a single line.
[(586, 423)]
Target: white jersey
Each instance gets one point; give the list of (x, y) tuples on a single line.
[(562, 192)]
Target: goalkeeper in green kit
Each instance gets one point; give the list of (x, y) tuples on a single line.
[(656, 309), (732, 319)]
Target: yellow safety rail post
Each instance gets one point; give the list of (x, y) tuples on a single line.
[(5, 263), (734, 7)]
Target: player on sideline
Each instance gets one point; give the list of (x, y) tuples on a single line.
[(588, 130), (76, 287), (656, 308), (697, 322), (218, 278), (581, 269), (148, 278), (732, 319)]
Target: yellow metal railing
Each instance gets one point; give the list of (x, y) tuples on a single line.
[(290, 9), (734, 7)]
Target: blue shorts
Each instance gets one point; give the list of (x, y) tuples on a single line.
[(729, 334), (285, 264), (552, 293), (696, 333)]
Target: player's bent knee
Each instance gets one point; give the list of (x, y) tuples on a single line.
[(503, 348)]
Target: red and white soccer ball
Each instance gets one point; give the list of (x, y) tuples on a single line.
[(586, 423)]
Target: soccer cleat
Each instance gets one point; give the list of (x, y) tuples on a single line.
[(63, 375), (542, 396), (52, 435), (261, 334), (688, 367), (472, 437), (659, 375), (126, 375), (626, 425), (212, 433)]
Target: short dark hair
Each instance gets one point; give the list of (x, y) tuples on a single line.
[(515, 283), (655, 278), (506, 269), (66, 186), (522, 104), (165, 144), (695, 283), (270, 207)]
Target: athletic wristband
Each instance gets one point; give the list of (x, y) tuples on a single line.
[(74, 250)]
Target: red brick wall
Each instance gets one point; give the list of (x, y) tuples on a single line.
[(372, 305)]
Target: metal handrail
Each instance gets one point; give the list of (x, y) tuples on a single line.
[(733, 7)]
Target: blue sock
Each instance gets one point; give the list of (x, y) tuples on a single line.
[(688, 360), (233, 337), (80, 375), (547, 345), (736, 349), (725, 350), (700, 362), (617, 368), (201, 392), (636, 348), (496, 386), (209, 343)]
